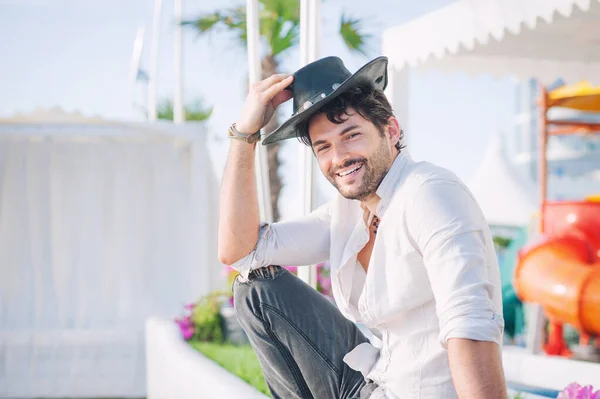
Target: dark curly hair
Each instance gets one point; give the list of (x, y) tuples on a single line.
[(370, 103)]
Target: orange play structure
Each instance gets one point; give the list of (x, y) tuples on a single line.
[(561, 271)]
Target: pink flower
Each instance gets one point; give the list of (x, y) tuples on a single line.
[(324, 282), (324, 279), (188, 333), (186, 327), (189, 306), (228, 271), (576, 391), (186, 322), (293, 269)]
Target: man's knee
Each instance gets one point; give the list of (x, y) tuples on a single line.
[(249, 293)]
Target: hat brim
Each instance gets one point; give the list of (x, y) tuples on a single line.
[(373, 73)]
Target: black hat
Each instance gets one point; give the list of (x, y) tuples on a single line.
[(319, 82)]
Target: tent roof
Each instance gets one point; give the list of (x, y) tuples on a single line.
[(54, 115), (57, 123), (542, 39), (506, 200)]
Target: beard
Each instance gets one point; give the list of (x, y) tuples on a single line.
[(374, 170)]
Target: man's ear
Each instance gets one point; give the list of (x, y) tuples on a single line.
[(393, 130)]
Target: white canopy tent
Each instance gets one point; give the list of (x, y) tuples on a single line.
[(506, 200), (541, 39), (524, 39), (102, 225)]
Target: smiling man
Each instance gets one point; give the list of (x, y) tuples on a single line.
[(411, 254)]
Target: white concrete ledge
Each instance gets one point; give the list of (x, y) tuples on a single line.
[(551, 372), (175, 370)]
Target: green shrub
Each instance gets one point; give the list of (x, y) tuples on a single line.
[(207, 319)]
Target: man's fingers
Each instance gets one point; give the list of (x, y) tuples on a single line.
[(270, 81), (281, 97), (277, 88)]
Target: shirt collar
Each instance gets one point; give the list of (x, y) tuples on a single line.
[(388, 185)]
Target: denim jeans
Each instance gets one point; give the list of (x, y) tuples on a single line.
[(299, 337)]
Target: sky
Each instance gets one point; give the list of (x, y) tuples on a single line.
[(76, 54)]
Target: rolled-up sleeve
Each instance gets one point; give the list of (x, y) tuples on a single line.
[(301, 241), (450, 232)]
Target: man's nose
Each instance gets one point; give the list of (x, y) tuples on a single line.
[(340, 156)]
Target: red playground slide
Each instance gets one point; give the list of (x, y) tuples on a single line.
[(561, 272)]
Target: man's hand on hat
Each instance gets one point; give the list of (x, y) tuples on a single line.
[(262, 101)]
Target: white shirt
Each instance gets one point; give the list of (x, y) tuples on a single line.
[(433, 274)]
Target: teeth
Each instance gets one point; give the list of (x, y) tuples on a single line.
[(350, 171)]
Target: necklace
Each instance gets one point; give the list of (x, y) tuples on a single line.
[(375, 224)]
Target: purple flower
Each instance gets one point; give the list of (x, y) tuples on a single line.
[(189, 306), (576, 391)]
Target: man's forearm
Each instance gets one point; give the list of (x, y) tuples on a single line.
[(476, 368), (238, 213), (238, 205)]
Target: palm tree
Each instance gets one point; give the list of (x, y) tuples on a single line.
[(279, 28), (196, 111)]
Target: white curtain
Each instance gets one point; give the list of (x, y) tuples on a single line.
[(101, 226)]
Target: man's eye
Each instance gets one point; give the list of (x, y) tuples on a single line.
[(321, 149), (351, 135)]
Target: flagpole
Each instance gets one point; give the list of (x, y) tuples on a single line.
[(152, 89), (178, 108), (136, 55), (310, 23), (254, 76)]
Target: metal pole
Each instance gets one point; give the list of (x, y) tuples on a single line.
[(304, 35), (178, 109), (537, 319), (154, 60), (314, 51), (310, 22), (543, 162), (307, 55), (314, 30), (254, 75), (138, 45)]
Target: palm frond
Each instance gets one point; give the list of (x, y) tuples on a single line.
[(205, 22), (354, 36), (288, 10), (279, 24), (232, 19), (288, 37)]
